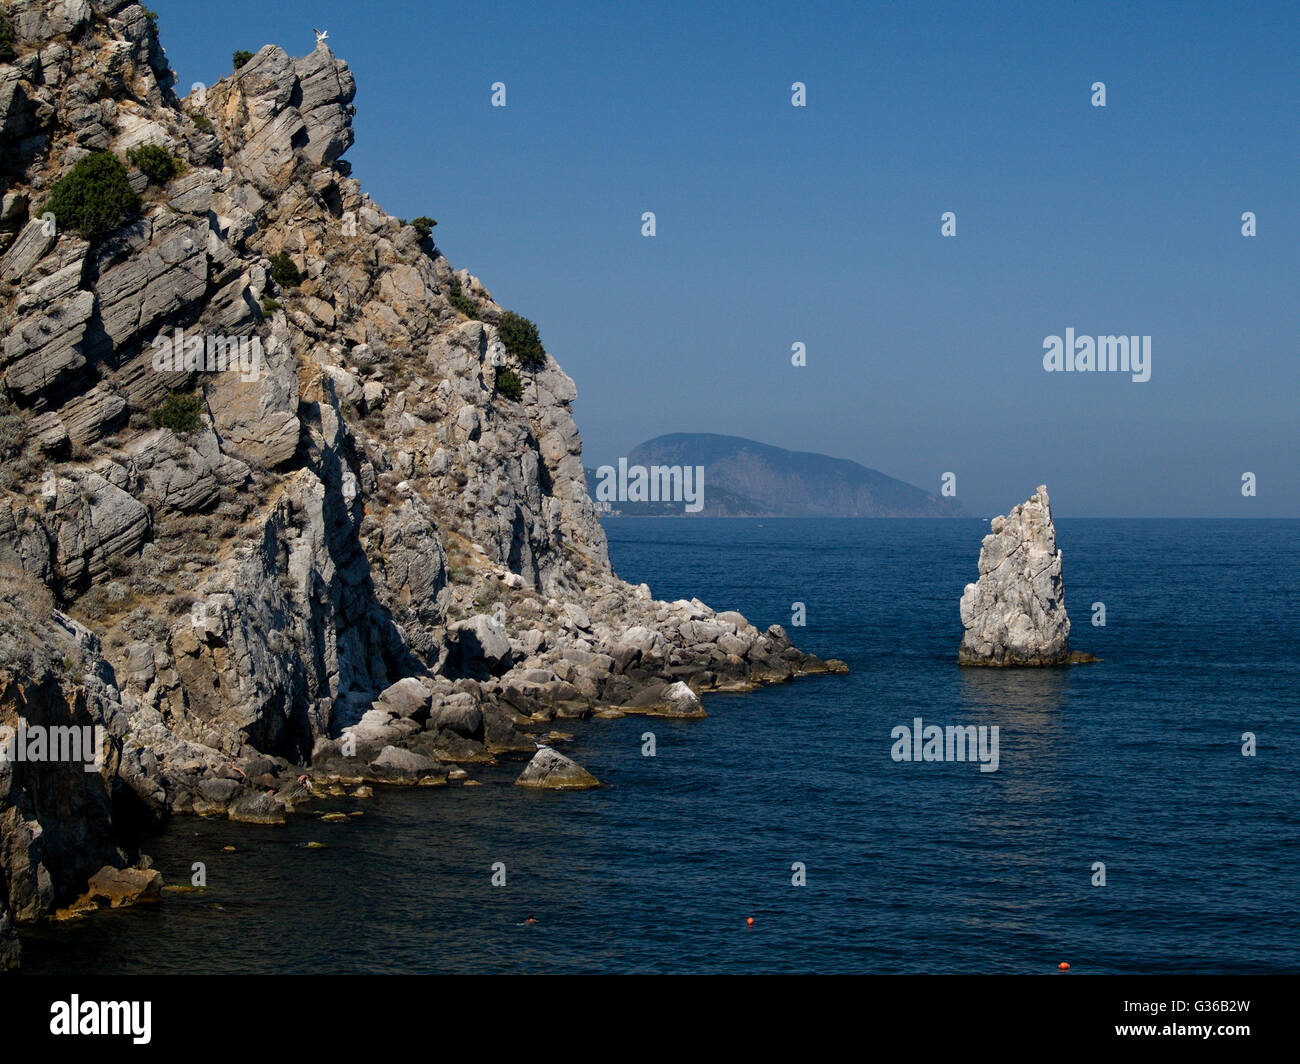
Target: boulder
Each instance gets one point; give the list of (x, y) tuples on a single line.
[(395, 765), (458, 713), (408, 698), (115, 888), (552, 771), (257, 809), (479, 647)]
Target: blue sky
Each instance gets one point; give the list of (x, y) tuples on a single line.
[(821, 224)]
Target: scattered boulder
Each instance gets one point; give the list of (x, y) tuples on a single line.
[(257, 809), (552, 771), (116, 888), (398, 766), (479, 647), (667, 700)]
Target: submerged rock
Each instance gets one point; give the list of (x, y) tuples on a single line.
[(1015, 613), (552, 771)]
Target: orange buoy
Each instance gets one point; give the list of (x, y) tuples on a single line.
[(1064, 966), (749, 922)]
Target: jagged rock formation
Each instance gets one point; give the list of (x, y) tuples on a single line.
[(1015, 614), (362, 561)]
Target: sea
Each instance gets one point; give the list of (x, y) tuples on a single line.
[(1142, 817)]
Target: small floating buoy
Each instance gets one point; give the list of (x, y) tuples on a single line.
[(749, 922), (1064, 966)]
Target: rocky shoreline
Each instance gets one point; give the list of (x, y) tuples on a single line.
[(372, 562)]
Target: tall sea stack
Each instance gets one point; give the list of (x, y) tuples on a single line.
[(1015, 613)]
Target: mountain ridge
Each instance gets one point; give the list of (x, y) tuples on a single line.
[(748, 478)]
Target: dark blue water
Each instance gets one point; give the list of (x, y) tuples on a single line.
[(930, 867)]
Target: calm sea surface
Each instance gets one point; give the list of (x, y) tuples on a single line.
[(931, 867)]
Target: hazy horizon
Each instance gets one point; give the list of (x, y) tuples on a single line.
[(820, 225)]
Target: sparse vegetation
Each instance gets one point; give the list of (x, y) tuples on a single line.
[(180, 412), (26, 642), (13, 431), (155, 163), (270, 305), (241, 57), (519, 335), (95, 197), (509, 384), (8, 42), (202, 123), (460, 301), (284, 271), (424, 226)]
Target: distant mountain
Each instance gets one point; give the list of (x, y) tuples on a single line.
[(745, 478)]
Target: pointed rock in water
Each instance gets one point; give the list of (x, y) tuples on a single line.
[(1015, 613), (552, 771)]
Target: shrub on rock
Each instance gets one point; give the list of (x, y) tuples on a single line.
[(180, 412), (460, 301), (155, 163), (519, 335), (8, 51), (509, 384), (95, 197), (284, 271)]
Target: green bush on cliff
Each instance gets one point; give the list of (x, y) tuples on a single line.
[(509, 384), (460, 301), (284, 271), (241, 57), (179, 412), (519, 335), (155, 163), (424, 226), (8, 42), (95, 197)]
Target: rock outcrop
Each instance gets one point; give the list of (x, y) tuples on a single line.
[(64, 818), (360, 561), (550, 770), (1015, 613)]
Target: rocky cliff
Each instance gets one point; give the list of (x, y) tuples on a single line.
[(366, 556), (1015, 613)]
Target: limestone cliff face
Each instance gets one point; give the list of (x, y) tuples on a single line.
[(365, 543), (59, 822), (1015, 613)]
